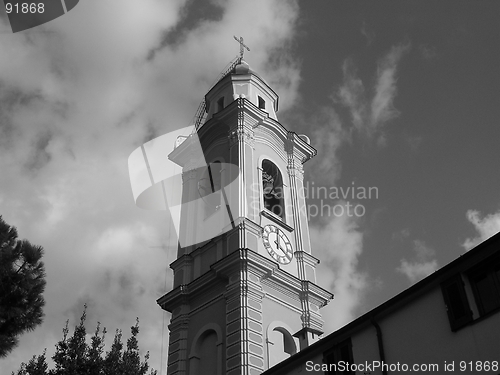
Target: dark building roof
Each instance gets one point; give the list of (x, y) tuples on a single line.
[(479, 254)]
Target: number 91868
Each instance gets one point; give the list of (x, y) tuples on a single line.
[(25, 8)]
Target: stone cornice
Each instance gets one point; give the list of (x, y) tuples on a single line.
[(185, 259), (184, 154), (315, 294), (245, 259), (276, 219), (307, 258)]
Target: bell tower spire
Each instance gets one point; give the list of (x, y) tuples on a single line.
[(245, 296)]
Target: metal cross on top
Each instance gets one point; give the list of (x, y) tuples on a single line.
[(242, 46)]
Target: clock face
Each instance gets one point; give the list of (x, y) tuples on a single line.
[(277, 244)]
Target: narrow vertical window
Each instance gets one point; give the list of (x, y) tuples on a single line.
[(457, 305), (220, 104), (262, 103), (339, 357), (272, 188), (485, 282)]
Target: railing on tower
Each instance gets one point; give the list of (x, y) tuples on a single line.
[(201, 112)]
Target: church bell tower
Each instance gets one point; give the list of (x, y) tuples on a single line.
[(244, 296)]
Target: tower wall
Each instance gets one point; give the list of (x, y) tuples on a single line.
[(247, 294)]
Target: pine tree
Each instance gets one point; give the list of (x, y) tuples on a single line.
[(22, 282)]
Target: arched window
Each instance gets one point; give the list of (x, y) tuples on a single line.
[(206, 351), (272, 188), (281, 345)]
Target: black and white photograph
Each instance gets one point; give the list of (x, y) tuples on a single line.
[(249, 187)]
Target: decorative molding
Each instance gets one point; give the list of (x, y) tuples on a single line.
[(296, 169), (183, 260), (272, 216), (251, 227), (283, 303), (299, 148), (270, 139), (182, 322), (242, 134), (306, 258)]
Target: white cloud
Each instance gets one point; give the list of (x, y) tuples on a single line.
[(382, 108), (336, 240), (351, 94), (417, 270), (327, 137), (77, 96), (423, 251), (422, 266), (486, 227), (370, 115), (339, 245)]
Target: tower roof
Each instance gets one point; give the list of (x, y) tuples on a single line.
[(240, 66), (239, 81)]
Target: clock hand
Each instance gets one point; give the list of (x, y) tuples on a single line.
[(277, 242)]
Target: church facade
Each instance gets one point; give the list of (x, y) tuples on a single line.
[(245, 295)]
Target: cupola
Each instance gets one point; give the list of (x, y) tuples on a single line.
[(241, 82)]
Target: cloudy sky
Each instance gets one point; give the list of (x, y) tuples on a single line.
[(402, 97)]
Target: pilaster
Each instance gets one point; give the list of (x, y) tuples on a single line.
[(177, 347)]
